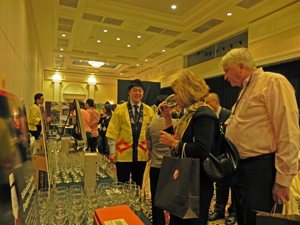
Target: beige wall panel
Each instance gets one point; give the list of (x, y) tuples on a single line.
[(276, 37), (106, 92), (3, 44), (103, 92), (21, 58), (10, 65), (3, 15)]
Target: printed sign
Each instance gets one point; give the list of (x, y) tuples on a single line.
[(17, 184)]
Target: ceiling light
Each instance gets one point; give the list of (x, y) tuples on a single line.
[(63, 35), (104, 31), (173, 6), (98, 41), (80, 60), (56, 78), (163, 50), (96, 64), (60, 55), (61, 49), (128, 46), (229, 14), (58, 67), (92, 81), (118, 39), (121, 73), (137, 64), (56, 70), (146, 60), (139, 36)]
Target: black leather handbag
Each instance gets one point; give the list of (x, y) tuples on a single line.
[(223, 165)]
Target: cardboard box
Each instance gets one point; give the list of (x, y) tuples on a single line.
[(120, 214), (96, 222), (40, 170)]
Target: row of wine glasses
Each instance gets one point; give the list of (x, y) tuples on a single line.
[(66, 168), (64, 205), (118, 193)]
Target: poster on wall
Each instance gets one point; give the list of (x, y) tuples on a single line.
[(59, 113), (17, 183)]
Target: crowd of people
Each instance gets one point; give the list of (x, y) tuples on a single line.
[(263, 124)]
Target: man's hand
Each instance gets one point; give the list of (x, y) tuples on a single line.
[(113, 157), (280, 193), (149, 155)]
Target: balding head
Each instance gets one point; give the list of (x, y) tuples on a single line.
[(213, 100)]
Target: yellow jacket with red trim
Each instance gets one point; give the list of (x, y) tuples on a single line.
[(119, 129)]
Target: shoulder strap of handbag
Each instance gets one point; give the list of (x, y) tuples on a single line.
[(183, 155)]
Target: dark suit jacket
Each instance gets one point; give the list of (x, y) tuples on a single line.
[(224, 115)]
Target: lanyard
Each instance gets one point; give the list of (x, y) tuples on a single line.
[(239, 99)]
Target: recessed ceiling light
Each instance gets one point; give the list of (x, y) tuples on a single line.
[(80, 60), (118, 39), (128, 46), (60, 55), (61, 49), (56, 70), (121, 73), (139, 36), (98, 41), (105, 31), (92, 73), (146, 60), (229, 14), (173, 6), (163, 50), (63, 35), (137, 64), (107, 63)]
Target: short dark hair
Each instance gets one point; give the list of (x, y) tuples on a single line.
[(159, 99), (136, 83), (81, 104), (38, 96), (90, 102)]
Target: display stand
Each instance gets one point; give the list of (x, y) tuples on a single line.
[(17, 183)]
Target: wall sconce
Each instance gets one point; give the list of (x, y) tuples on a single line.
[(56, 78), (92, 81)]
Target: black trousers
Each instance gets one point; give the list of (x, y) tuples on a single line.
[(36, 134), (93, 144), (222, 193), (136, 169), (252, 187), (158, 214)]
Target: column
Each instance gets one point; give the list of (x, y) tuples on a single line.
[(92, 91), (56, 95)]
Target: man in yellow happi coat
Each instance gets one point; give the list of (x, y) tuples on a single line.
[(126, 135)]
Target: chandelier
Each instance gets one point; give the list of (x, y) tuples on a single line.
[(96, 64)]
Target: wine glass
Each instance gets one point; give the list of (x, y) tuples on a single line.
[(170, 101)]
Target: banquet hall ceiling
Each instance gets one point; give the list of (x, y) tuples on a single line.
[(131, 36)]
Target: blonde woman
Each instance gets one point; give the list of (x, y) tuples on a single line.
[(196, 129)]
